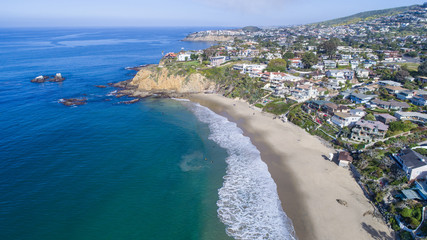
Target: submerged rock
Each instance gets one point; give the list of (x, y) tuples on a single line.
[(100, 86), (131, 101), (73, 101)]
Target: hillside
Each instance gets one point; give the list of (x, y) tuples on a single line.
[(364, 16)]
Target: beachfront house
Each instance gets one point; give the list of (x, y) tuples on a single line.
[(413, 163), (344, 159), (416, 117), (368, 131)]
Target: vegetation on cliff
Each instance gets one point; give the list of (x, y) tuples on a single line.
[(234, 84)]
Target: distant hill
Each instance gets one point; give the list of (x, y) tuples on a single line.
[(363, 16)]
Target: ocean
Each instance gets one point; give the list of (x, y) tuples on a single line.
[(157, 169)]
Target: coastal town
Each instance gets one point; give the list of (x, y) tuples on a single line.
[(359, 84)]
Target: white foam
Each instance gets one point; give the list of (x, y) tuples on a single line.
[(180, 99), (248, 202), (112, 93)]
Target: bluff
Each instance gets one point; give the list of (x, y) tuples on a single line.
[(157, 79)]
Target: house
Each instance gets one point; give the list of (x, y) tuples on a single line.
[(357, 112), (368, 131), (182, 57), (170, 55), (361, 98), (216, 61), (413, 163), (296, 63), (405, 95), (419, 100), (416, 117), (369, 63), (419, 191), (394, 89), (344, 159), (318, 104), (303, 93), (422, 79), (385, 118), (345, 74), (253, 70), (344, 119), (343, 62), (330, 64), (362, 73), (392, 104), (389, 83)]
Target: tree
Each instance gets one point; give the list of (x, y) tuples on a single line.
[(193, 56), (370, 117), (277, 65), (402, 75), (411, 54), (288, 55), (309, 59), (422, 69), (329, 47)]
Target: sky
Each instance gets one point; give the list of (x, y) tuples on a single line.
[(226, 13)]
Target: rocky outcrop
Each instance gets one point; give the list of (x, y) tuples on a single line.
[(41, 79), (161, 80)]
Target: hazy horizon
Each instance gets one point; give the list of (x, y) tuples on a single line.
[(186, 13)]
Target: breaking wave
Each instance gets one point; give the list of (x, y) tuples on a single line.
[(248, 202)]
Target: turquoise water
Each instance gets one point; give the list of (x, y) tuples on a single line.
[(157, 169)]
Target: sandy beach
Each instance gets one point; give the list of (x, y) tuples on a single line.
[(308, 184)]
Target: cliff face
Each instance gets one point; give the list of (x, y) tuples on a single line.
[(161, 80)]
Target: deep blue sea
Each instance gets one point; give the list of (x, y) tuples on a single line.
[(157, 169)]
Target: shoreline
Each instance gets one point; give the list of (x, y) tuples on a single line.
[(307, 184)]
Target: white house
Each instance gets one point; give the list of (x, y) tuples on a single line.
[(362, 73), (357, 112), (344, 119), (182, 57), (296, 63), (413, 163)]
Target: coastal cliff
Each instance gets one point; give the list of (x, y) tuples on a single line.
[(165, 82)]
